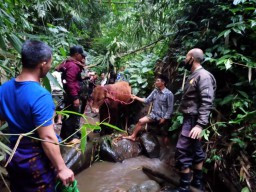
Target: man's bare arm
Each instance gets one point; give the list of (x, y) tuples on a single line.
[(53, 153), (138, 98)]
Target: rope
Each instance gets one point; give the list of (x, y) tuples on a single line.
[(122, 102), (118, 100)]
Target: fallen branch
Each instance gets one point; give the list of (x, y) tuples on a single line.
[(142, 48)]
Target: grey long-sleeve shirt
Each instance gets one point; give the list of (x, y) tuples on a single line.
[(162, 103)]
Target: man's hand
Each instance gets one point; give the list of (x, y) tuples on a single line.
[(66, 175), (133, 96), (76, 103), (195, 132), (162, 121)]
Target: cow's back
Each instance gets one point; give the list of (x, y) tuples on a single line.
[(120, 91)]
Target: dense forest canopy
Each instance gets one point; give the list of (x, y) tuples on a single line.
[(150, 37)]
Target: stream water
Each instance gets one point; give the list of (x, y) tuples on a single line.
[(117, 177)]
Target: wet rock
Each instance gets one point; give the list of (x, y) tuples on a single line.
[(119, 149), (135, 188), (107, 153), (151, 145), (126, 149), (75, 159), (147, 186)]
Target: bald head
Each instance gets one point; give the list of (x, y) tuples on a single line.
[(197, 54)]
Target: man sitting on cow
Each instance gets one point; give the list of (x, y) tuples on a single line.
[(162, 108)]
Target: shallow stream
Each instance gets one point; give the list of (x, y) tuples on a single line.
[(117, 177)]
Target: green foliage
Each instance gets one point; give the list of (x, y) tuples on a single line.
[(86, 127), (177, 122), (205, 134), (213, 156), (141, 75), (245, 189)]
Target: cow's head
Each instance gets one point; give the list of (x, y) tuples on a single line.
[(99, 95)]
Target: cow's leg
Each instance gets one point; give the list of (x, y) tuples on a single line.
[(125, 112), (126, 123), (104, 113)]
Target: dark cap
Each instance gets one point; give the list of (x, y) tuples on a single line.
[(77, 49)]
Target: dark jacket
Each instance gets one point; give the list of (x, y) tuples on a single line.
[(198, 96), (71, 77)]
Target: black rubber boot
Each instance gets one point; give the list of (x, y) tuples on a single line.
[(197, 181), (184, 184)]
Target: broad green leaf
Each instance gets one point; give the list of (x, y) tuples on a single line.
[(135, 90), (240, 142), (144, 63), (205, 134), (52, 79), (112, 59), (228, 63), (244, 94), (133, 81), (253, 23), (236, 2), (177, 123), (15, 42), (140, 80), (134, 76), (227, 33), (5, 148), (227, 99), (63, 52), (46, 84), (224, 33), (144, 85), (239, 31), (248, 116), (145, 69), (245, 189), (62, 29), (2, 42), (83, 138), (2, 156), (4, 126), (113, 126), (53, 30), (221, 124)]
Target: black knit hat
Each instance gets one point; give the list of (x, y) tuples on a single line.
[(77, 49)]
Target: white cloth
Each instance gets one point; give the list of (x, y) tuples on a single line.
[(103, 81), (57, 76)]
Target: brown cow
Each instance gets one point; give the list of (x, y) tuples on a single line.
[(111, 101)]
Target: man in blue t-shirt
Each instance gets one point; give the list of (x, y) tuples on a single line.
[(27, 106)]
